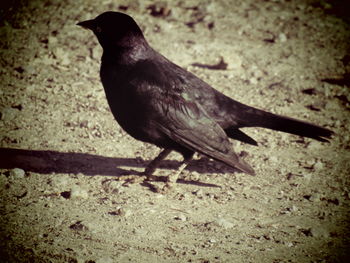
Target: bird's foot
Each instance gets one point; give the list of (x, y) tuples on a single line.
[(132, 179), (157, 184), (157, 187), (137, 179), (163, 188), (129, 177), (170, 181)]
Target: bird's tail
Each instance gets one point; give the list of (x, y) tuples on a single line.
[(259, 118)]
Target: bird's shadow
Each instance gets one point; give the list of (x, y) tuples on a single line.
[(45, 162)]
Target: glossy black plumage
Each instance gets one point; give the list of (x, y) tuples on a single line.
[(158, 102)]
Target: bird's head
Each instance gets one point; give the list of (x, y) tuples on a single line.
[(114, 29)]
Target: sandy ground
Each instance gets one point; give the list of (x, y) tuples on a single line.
[(63, 194)]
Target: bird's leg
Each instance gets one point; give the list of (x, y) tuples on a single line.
[(147, 175), (173, 177), (171, 180), (152, 166)]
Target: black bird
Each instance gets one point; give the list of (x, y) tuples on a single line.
[(158, 102)]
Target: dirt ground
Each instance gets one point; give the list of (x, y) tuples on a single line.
[(63, 157)]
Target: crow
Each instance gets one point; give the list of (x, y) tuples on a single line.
[(158, 102)]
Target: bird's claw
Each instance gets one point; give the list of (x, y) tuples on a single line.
[(157, 188)]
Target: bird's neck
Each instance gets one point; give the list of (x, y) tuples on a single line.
[(127, 54)]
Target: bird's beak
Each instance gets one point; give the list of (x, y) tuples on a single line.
[(88, 24)]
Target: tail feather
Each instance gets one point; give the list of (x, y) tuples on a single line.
[(259, 118)]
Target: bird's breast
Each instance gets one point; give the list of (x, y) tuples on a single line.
[(128, 108)]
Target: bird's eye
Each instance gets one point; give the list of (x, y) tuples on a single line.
[(98, 29)]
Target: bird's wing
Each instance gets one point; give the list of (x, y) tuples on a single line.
[(180, 117)]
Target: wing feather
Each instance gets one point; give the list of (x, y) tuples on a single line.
[(179, 116)]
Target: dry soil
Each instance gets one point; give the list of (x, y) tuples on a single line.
[(64, 196)]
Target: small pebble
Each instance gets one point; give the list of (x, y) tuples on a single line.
[(223, 223), (310, 163), (282, 37), (316, 197), (96, 52), (318, 165), (289, 244), (253, 81), (17, 173), (195, 176), (198, 193), (294, 208), (78, 193)]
